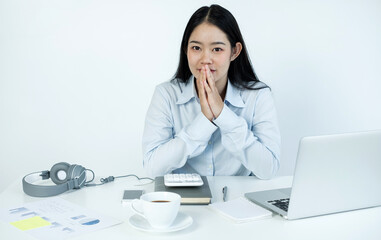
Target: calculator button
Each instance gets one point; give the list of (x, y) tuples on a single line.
[(183, 180)]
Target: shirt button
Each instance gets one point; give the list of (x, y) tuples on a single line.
[(210, 142)]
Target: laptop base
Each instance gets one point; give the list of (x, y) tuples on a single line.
[(262, 198)]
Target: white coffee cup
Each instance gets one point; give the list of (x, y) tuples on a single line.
[(159, 208)]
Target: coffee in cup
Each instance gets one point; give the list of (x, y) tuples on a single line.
[(159, 208)]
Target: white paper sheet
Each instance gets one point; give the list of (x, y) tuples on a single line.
[(54, 218)]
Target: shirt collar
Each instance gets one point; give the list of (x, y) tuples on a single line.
[(233, 96), (188, 91)]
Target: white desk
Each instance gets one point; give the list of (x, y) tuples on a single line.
[(106, 199)]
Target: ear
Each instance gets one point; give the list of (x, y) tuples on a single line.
[(236, 51)]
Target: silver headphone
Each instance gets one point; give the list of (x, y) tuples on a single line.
[(65, 176)]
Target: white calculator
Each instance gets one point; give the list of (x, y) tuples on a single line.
[(183, 180)]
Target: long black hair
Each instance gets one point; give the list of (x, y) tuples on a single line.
[(241, 73)]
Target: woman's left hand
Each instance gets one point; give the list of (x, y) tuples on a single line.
[(213, 97)]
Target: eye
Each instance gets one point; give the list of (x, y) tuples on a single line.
[(217, 49), (196, 48)]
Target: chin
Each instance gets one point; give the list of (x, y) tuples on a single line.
[(196, 75)]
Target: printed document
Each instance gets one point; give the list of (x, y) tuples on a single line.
[(54, 218)]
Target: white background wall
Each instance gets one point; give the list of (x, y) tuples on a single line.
[(76, 77)]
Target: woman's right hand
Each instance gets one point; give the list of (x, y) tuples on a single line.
[(205, 108)]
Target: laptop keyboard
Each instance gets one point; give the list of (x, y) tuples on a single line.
[(280, 203)]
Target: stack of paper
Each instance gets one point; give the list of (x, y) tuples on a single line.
[(241, 210)]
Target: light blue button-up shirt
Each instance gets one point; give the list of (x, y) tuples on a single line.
[(243, 140)]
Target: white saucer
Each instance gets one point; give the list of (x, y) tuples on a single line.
[(182, 221)]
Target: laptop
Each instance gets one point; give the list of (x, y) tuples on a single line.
[(333, 173)]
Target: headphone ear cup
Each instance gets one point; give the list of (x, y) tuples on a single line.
[(77, 171), (59, 172)]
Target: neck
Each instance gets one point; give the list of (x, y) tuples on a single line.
[(222, 86)]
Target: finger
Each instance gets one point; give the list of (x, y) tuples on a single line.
[(206, 83), (209, 76), (205, 108), (207, 87), (200, 87), (202, 91)]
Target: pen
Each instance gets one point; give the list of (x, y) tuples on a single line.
[(224, 191)]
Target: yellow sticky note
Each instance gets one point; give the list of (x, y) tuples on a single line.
[(31, 223)]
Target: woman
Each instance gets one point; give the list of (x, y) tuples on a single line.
[(215, 117)]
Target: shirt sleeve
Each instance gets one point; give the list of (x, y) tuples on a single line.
[(164, 151), (256, 145)]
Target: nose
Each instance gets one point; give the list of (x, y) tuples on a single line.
[(206, 58)]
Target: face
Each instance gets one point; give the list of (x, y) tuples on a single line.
[(208, 45)]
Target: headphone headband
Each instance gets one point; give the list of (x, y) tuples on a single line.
[(75, 178)]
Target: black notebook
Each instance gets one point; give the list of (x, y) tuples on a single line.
[(189, 195)]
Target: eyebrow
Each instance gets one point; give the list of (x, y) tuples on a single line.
[(213, 43)]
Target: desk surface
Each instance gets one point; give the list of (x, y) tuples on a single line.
[(106, 199)]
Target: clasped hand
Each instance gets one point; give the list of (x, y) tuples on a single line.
[(210, 99)]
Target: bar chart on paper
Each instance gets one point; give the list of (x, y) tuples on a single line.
[(54, 217)]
